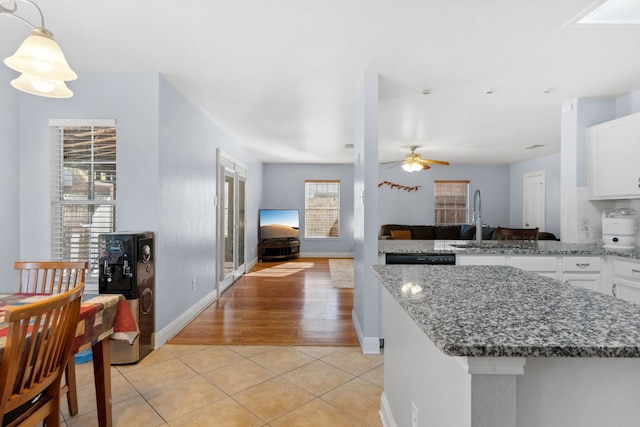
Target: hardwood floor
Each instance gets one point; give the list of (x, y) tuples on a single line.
[(277, 303)]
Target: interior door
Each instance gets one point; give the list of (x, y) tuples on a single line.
[(533, 199), (231, 225)]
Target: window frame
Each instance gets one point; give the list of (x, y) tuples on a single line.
[(85, 248), (332, 231), (457, 209)]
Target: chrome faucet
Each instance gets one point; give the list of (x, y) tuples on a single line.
[(477, 214)]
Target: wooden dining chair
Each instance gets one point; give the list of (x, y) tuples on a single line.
[(54, 277), (525, 234), (38, 346)]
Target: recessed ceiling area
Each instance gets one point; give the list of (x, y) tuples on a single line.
[(282, 76)]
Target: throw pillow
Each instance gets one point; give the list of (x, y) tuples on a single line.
[(401, 234)]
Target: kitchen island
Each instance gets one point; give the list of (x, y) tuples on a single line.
[(498, 346), (496, 247)]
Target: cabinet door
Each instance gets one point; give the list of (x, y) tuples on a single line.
[(546, 266), (481, 260), (587, 281), (626, 290), (614, 150), (627, 269)]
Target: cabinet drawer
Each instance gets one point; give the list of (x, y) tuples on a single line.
[(628, 269), (535, 263), (579, 264)]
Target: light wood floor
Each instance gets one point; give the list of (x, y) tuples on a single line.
[(277, 303)]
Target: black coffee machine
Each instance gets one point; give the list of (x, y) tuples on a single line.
[(127, 268)]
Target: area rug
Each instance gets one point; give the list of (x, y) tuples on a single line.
[(341, 272)]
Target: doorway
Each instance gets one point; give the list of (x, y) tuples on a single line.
[(533, 200), (232, 177)]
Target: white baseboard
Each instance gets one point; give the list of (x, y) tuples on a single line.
[(161, 337), (326, 255), (386, 417), (368, 345), (251, 264)]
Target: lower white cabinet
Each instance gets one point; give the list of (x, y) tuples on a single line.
[(582, 271), (481, 260), (626, 280), (587, 281), (543, 265)]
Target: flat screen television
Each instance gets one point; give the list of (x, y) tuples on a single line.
[(279, 224)]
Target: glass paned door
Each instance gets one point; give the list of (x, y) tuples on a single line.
[(241, 231), (229, 222), (231, 225)]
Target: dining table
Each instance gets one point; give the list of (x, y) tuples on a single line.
[(100, 316)]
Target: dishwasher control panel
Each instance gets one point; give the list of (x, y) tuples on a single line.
[(431, 259)]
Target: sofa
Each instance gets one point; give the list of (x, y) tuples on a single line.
[(442, 232)]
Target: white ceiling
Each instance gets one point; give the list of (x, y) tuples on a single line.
[(281, 76)]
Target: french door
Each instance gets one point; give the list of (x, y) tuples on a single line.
[(232, 177)]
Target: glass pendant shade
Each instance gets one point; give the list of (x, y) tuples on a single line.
[(412, 166), (40, 56), (42, 87)]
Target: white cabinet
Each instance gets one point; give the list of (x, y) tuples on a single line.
[(626, 280), (582, 271), (614, 150), (543, 265), (481, 260)]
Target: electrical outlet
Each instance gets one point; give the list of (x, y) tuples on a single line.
[(193, 283), (585, 224), (414, 414)]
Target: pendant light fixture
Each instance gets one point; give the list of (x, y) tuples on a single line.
[(39, 58)]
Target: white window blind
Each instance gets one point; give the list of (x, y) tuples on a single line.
[(451, 199), (83, 189), (322, 209)]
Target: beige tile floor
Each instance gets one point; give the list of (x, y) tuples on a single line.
[(243, 386)]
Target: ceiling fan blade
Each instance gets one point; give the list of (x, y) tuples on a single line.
[(435, 162)]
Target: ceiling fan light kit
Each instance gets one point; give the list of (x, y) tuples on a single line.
[(413, 162), (39, 58)]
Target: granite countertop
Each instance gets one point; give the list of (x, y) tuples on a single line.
[(492, 311), (488, 247)]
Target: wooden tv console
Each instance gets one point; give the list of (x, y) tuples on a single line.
[(278, 249)]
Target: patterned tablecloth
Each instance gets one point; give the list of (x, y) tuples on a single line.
[(96, 321)]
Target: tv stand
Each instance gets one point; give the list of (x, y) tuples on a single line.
[(278, 249)]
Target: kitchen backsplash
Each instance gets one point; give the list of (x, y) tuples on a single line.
[(582, 218)]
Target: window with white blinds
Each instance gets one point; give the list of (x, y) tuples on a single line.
[(321, 209), (451, 200), (83, 189)]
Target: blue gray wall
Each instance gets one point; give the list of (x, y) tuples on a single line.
[(10, 178), (283, 188), (166, 178), (187, 240), (417, 207)]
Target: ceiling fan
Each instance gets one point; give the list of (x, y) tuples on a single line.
[(413, 162)]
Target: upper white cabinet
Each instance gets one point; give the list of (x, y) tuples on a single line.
[(614, 153)]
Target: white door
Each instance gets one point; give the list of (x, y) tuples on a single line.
[(231, 220), (533, 197)]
